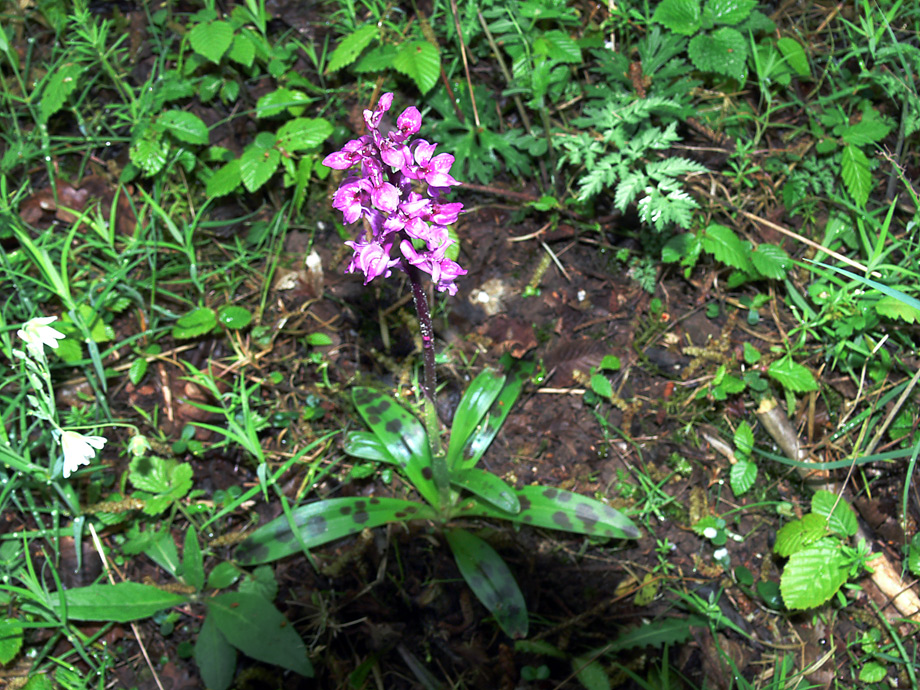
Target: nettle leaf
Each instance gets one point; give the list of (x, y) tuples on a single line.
[(119, 603), (724, 51), (253, 625), (893, 308), (730, 11), (724, 245), (771, 261), (800, 534), (813, 575), (304, 133), (842, 520), (679, 16), (421, 62), (185, 126), (491, 581), (489, 487), (351, 46), (477, 400), (324, 521), (58, 88), (854, 168), (211, 39), (791, 375), (402, 434), (243, 50), (552, 508), (742, 476)]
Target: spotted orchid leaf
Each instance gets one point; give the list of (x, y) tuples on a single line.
[(485, 432), (365, 445), (472, 408), (403, 437), (557, 509), (324, 521), (489, 487), (491, 581)]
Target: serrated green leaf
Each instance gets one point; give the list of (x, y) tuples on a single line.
[(304, 133), (680, 16), (421, 62), (870, 129), (730, 11), (724, 51), (211, 39), (234, 317), (351, 46), (243, 50), (771, 261), (57, 89), (121, 602), (893, 308), (795, 55), (223, 575), (744, 440), (491, 581), (255, 627), (842, 520), (10, 635), (742, 476), (216, 658), (137, 371), (813, 575), (559, 46), (279, 100), (257, 165), (377, 59), (791, 375), (148, 152), (197, 322), (590, 672), (799, 534), (324, 521), (666, 631), (185, 126), (680, 247), (854, 168), (724, 245), (225, 179)]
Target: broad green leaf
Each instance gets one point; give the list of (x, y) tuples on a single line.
[(683, 248), (680, 16), (771, 261), (730, 11), (795, 55), (257, 165), (185, 126), (800, 534), (893, 308), (590, 672), (119, 603), (137, 370), (791, 375), (557, 45), (377, 59), (854, 168), (402, 434), (872, 672), (489, 487), (211, 39), (261, 581), (279, 100), (724, 245), (600, 384), (57, 89), (255, 627), (216, 658), (351, 46), (842, 520), (742, 476), (421, 62), (365, 445), (551, 508), (243, 50), (724, 51), (491, 581), (223, 575), (197, 322), (225, 179), (303, 133), (10, 639), (192, 560), (479, 396), (324, 521), (813, 575), (234, 317), (744, 440), (162, 551)]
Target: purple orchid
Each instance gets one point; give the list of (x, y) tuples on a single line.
[(383, 196)]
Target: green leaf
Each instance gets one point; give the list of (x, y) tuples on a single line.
[(377, 59), (148, 152), (421, 62), (234, 317), (324, 521), (744, 440), (365, 445), (58, 88), (475, 403), (551, 508), (771, 261), (137, 370), (225, 179), (216, 658), (262, 582), (304, 133), (403, 436), (489, 487), (243, 50), (842, 520), (665, 631), (491, 581), (590, 672), (279, 100), (872, 672), (724, 51), (870, 129), (894, 308), (795, 55), (813, 575), (791, 375), (799, 534), (742, 476), (119, 603), (854, 168), (730, 11), (351, 46), (682, 248), (10, 640), (680, 16), (197, 322), (255, 627), (211, 39), (192, 560), (724, 245), (257, 165), (185, 126), (557, 45), (913, 555), (223, 575), (161, 482)]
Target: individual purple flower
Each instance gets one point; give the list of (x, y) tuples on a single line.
[(435, 171), (352, 198), (371, 259)]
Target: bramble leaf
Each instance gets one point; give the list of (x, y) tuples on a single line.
[(724, 51)]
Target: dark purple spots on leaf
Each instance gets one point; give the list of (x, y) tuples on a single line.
[(400, 514), (427, 473), (252, 553), (528, 518), (316, 525), (361, 517), (562, 520), (394, 426), (550, 493), (375, 501), (285, 535), (411, 510), (586, 514), (360, 505), (345, 510), (564, 496), (525, 502)]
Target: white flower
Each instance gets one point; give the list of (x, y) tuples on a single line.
[(79, 450), (720, 554), (710, 532), (36, 334)]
